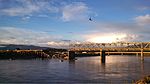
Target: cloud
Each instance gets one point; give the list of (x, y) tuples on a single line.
[(136, 30), (115, 28), (20, 11), (109, 37), (42, 15), (27, 7), (143, 8), (44, 8), (59, 44), (75, 11), (12, 35), (26, 18), (143, 20)]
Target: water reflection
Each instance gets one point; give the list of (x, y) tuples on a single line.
[(71, 66), (142, 68), (116, 70)]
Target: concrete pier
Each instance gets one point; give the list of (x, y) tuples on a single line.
[(108, 54), (71, 55), (137, 54), (103, 56)]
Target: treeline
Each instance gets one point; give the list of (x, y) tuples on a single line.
[(14, 54), (29, 54)]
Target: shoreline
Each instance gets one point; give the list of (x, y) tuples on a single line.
[(144, 80)]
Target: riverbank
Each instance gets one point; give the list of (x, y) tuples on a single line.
[(31, 54), (22, 54), (145, 80)]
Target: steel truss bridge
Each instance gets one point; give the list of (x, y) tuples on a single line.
[(137, 48), (120, 46), (113, 48)]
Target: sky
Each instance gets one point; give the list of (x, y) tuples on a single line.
[(59, 22)]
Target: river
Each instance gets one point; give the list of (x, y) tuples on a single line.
[(116, 70)]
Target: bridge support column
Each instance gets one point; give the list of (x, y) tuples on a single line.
[(103, 56), (108, 54), (71, 55), (142, 55), (137, 54), (121, 53)]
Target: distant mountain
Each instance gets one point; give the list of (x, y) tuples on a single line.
[(22, 47)]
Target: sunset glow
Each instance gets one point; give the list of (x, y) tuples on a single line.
[(107, 38)]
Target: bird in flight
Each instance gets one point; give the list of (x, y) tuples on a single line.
[(90, 19)]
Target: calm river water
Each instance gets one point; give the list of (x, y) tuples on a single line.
[(116, 70)]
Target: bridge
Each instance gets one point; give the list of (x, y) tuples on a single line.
[(137, 48)]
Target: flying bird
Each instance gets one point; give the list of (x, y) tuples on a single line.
[(90, 19)]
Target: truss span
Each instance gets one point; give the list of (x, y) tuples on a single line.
[(117, 45)]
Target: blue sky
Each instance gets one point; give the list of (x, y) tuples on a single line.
[(55, 22)]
